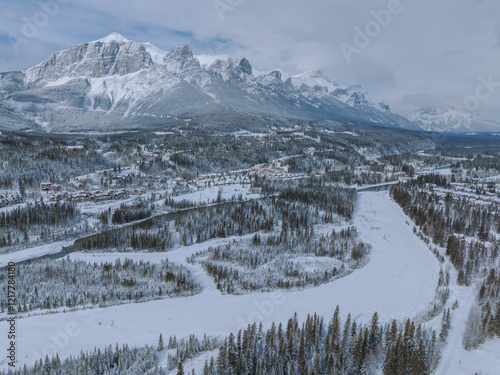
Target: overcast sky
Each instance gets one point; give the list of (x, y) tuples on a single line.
[(410, 53)]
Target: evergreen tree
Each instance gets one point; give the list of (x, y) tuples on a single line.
[(473, 334), (180, 369), (160, 343)]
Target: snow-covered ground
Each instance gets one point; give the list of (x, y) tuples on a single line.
[(444, 171), (210, 194), (197, 363), (33, 252), (455, 360), (484, 360), (398, 282), (206, 195)]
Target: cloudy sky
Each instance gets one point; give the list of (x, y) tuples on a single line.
[(410, 53)]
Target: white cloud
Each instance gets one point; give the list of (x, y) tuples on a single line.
[(433, 50)]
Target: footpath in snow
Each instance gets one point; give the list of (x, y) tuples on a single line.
[(455, 360), (399, 281)]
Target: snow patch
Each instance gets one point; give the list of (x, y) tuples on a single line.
[(59, 82), (156, 53), (207, 60), (113, 37)]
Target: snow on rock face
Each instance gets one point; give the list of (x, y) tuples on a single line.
[(441, 118), (317, 83), (116, 76), (109, 56), (106, 93), (271, 79), (231, 69), (114, 37), (311, 79), (180, 58), (207, 60), (157, 54)]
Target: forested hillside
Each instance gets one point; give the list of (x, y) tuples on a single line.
[(466, 223)]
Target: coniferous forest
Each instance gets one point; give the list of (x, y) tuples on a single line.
[(293, 260), (464, 225), (242, 217), (67, 284), (315, 346)]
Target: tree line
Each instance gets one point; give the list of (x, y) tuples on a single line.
[(283, 260), (48, 284)]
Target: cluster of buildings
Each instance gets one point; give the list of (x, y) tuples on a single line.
[(382, 168), (470, 174), (273, 171), (276, 172), (269, 170), (87, 196), (99, 195), (488, 173), (204, 182), (49, 186)]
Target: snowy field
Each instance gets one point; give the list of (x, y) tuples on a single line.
[(399, 281), (209, 194), (33, 252)]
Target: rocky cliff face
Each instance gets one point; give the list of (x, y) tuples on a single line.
[(91, 60)]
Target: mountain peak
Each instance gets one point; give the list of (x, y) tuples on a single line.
[(112, 55), (183, 51), (113, 37), (245, 66), (118, 81), (317, 74), (180, 58)]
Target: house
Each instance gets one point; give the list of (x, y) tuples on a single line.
[(101, 197), (121, 194), (77, 185), (77, 197), (46, 186), (56, 198)]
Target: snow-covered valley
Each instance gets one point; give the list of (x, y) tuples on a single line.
[(252, 241), (398, 282)]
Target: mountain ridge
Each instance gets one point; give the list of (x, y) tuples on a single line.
[(114, 83), (452, 119)]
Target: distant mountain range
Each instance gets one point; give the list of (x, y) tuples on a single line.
[(117, 84), (452, 119)]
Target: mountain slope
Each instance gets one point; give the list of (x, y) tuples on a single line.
[(114, 83), (452, 119)]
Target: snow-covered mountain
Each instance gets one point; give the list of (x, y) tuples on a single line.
[(114, 83), (351, 95), (452, 119)]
